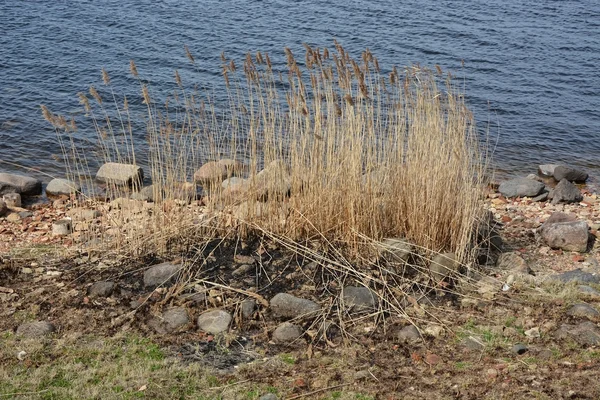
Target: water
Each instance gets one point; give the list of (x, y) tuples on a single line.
[(531, 68)]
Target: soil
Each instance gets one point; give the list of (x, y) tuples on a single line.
[(465, 351)]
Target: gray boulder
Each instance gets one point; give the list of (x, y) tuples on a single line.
[(35, 329), (521, 187), (583, 310), (409, 334), (273, 181), (59, 186), (566, 192), (161, 273), (577, 276), (120, 174), (396, 250), (547, 170), (101, 289), (359, 297), (569, 236), (215, 321), (12, 199), (287, 332), (175, 318), (443, 266), (585, 333), (24, 185), (286, 305), (571, 174), (216, 171)]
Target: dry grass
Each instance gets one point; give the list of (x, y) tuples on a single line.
[(365, 155)]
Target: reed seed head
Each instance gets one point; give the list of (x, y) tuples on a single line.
[(95, 94), (133, 68), (105, 77), (189, 55)]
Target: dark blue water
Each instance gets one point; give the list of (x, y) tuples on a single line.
[(531, 68)]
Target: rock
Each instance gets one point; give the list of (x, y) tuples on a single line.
[(3, 208), (175, 318), (583, 310), (541, 197), (588, 290), (101, 289), (12, 200), (273, 181), (83, 214), (242, 270), (120, 174), (547, 170), (569, 236), (576, 275), (246, 210), (234, 181), (268, 396), (287, 332), (571, 174), (566, 192), (513, 262), (396, 250), (248, 307), (286, 305), (62, 227), (472, 343), (35, 329), (409, 334), (215, 321), (216, 171), (521, 187), (59, 186), (359, 297), (235, 190), (242, 259), (519, 348), (25, 214), (145, 194), (161, 273), (560, 217), (585, 333), (443, 266), (24, 185)]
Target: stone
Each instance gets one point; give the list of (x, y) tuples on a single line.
[(175, 318), (583, 310), (35, 329), (512, 261), (161, 273), (520, 348), (396, 250), (233, 182), (566, 192), (409, 334), (144, 194), (268, 396), (3, 208), (242, 270), (215, 321), (246, 210), (216, 171), (101, 289), (247, 307), (576, 275), (443, 266), (62, 227), (588, 291), (569, 236), (59, 186), (25, 214), (472, 343), (287, 332), (547, 170), (24, 185), (83, 214), (120, 174), (521, 187), (286, 305), (571, 174), (12, 200), (541, 197), (560, 217), (273, 181), (585, 333), (359, 297)]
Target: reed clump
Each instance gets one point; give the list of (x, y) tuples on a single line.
[(334, 150)]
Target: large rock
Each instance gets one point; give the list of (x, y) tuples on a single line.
[(577, 276), (547, 170), (585, 333), (120, 174), (101, 289), (571, 174), (273, 181), (216, 171), (583, 310), (359, 297), (521, 187), (59, 186), (214, 322), (24, 185), (286, 305), (513, 262), (566, 192), (3, 208), (287, 332), (443, 266), (35, 329), (161, 273), (396, 250), (175, 318), (569, 236)]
